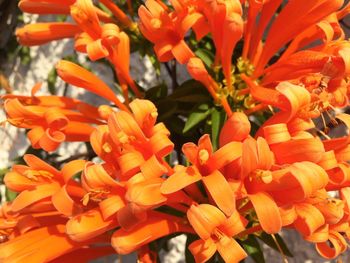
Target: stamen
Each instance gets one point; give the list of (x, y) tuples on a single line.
[(203, 156), (107, 147), (263, 175), (156, 23), (95, 195), (34, 175), (217, 235)]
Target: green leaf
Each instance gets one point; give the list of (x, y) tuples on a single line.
[(198, 114), (217, 121), (206, 56), (3, 171), (252, 247), (157, 92), (189, 87), (268, 240), (10, 195), (51, 81)]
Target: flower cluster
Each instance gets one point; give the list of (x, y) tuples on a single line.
[(288, 172)]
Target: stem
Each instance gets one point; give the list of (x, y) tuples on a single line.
[(279, 248)]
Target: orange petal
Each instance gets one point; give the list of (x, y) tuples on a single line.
[(179, 180), (320, 235), (80, 77), (267, 211), (161, 145), (309, 219), (147, 193), (155, 227), (37, 164), (230, 250), (111, 205), (28, 197), (202, 250), (234, 224), (42, 33), (204, 218), (96, 177), (226, 154), (339, 245), (63, 202), (236, 128), (182, 52), (220, 191), (88, 225), (72, 168), (130, 163), (298, 150), (152, 168), (124, 122)]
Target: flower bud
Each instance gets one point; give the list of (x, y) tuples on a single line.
[(236, 128)]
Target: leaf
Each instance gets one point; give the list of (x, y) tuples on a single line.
[(3, 171), (51, 81), (157, 92), (196, 98), (166, 109), (199, 113), (253, 249), (217, 121), (10, 195), (206, 56), (189, 87), (268, 240)]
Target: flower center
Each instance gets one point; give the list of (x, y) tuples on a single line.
[(95, 195), (203, 156), (262, 175), (217, 235), (34, 175)]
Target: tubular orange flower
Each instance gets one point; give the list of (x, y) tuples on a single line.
[(215, 231), (30, 245), (41, 183), (169, 43), (42, 33), (80, 77), (158, 225), (51, 119), (100, 41)]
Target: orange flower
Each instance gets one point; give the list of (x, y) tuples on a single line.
[(158, 26), (158, 225), (29, 246), (103, 41), (226, 25), (40, 183), (44, 7), (42, 33), (80, 77), (51, 120), (206, 166), (215, 231)]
